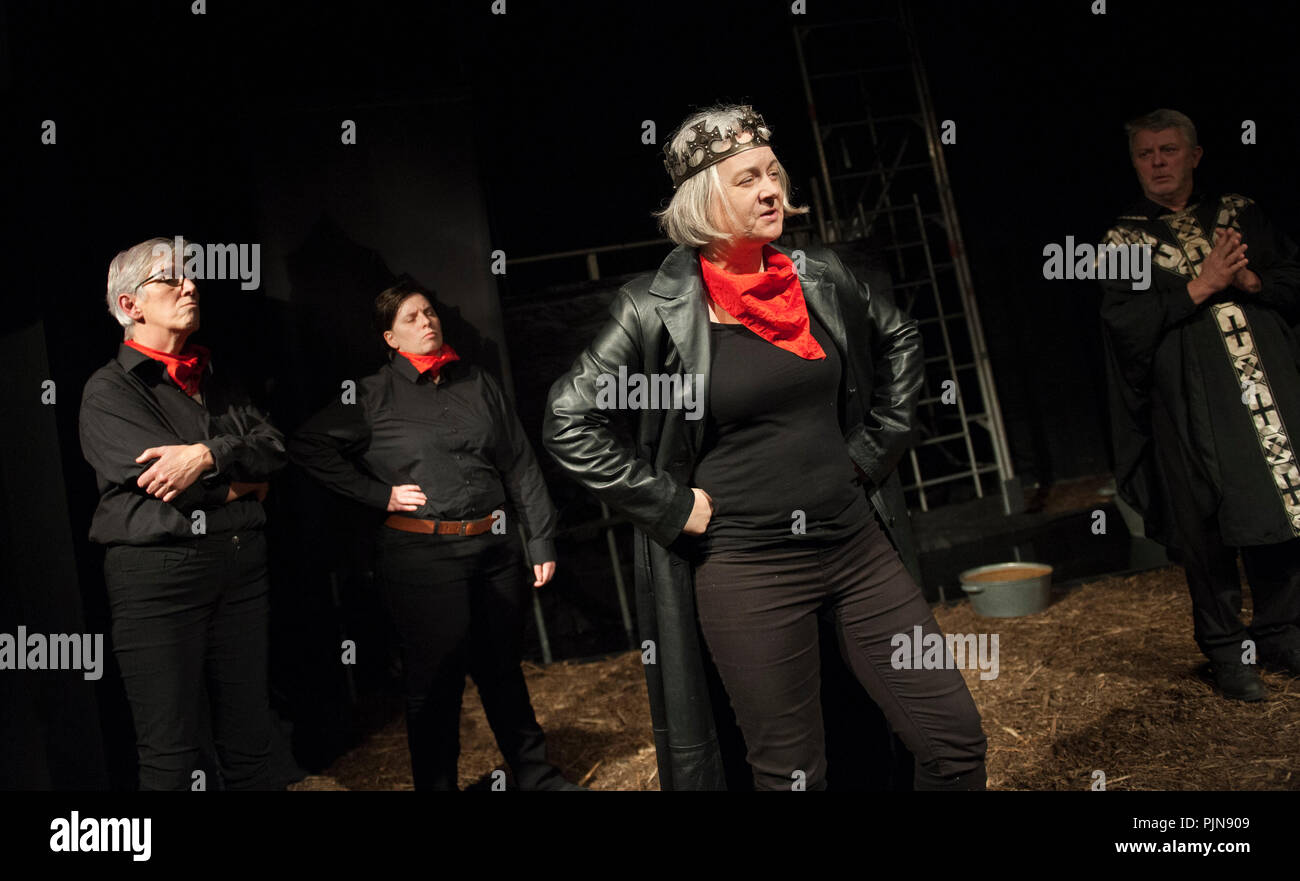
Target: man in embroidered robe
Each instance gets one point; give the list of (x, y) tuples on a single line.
[(1205, 392)]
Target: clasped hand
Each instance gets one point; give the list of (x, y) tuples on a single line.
[(1226, 265)]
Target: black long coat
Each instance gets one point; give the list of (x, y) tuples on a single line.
[(1225, 373), (660, 325)]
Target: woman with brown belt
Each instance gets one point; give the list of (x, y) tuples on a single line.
[(434, 442), (753, 521)]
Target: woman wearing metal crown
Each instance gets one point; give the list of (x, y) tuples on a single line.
[(754, 521)]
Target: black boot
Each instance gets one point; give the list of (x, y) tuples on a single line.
[(545, 778), (1238, 681), (1283, 661)]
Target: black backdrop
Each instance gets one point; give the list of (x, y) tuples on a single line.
[(519, 132)]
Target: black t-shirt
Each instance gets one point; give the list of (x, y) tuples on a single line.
[(774, 460)]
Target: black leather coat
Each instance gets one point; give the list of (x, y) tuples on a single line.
[(660, 325)]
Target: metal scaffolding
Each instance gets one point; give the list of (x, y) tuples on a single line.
[(883, 182)]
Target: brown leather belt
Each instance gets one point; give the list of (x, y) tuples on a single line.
[(439, 527)]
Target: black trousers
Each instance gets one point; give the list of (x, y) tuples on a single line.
[(1211, 567), (458, 604), (187, 615), (758, 610)]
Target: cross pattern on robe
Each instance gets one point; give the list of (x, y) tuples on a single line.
[(1276, 452), (1290, 491), (1248, 368), (1166, 256), (1229, 206), (1261, 410), (1237, 331), (1184, 225)]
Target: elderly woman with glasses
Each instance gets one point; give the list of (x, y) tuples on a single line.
[(182, 460), (761, 518)]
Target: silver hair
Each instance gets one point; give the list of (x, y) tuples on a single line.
[(688, 219), (128, 269), (1158, 121)]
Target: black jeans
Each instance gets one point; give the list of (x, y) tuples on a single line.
[(185, 615), (1211, 567), (458, 603), (758, 611)]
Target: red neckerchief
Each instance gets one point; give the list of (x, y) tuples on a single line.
[(185, 369), (770, 303), (434, 362)]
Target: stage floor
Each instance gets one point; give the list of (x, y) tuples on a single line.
[(1107, 679)]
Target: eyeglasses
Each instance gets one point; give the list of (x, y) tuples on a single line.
[(162, 277)]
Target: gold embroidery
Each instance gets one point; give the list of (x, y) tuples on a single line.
[(1239, 343)]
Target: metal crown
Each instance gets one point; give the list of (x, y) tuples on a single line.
[(709, 146)]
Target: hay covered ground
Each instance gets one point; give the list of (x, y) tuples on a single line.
[(1108, 678)]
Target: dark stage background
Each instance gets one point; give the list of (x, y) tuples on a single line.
[(521, 133)]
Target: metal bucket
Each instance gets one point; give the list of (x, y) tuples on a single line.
[(1008, 590)]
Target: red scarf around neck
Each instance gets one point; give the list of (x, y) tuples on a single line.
[(434, 362), (185, 369), (770, 303)]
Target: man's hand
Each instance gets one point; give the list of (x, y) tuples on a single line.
[(178, 466), (1248, 281), (543, 572), (407, 497), (238, 489), (701, 513), (1221, 267)]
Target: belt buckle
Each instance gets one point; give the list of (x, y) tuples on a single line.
[(464, 526)]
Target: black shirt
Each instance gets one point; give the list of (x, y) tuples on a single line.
[(131, 404), (773, 445), (458, 440)]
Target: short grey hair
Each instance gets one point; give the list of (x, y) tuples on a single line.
[(688, 219), (128, 269), (1158, 121)]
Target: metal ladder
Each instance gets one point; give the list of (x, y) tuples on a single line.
[(883, 181)]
